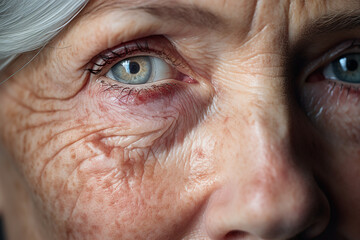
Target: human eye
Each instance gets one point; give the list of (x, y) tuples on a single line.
[(141, 70), (147, 68), (345, 69), (330, 94)]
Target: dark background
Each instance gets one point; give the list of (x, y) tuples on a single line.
[(1, 230)]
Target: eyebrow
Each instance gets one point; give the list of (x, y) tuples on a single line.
[(334, 22), (187, 14), (168, 11)]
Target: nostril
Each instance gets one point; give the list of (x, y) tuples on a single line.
[(235, 235)]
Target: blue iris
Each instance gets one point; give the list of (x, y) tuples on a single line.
[(347, 68)]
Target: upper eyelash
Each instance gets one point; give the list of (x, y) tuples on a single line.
[(128, 49), (108, 56), (339, 51)]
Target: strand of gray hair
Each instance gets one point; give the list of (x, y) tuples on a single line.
[(28, 25)]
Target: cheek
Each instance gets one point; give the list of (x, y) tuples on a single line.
[(114, 205), (334, 112), (339, 174), (98, 169)]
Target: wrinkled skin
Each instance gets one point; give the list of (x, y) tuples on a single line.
[(248, 150)]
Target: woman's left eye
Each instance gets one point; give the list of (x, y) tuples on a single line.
[(344, 69), (141, 70)]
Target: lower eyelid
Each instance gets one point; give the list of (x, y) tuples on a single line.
[(126, 95), (333, 108)]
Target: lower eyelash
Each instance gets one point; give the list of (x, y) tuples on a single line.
[(335, 87), (138, 96), (342, 88)]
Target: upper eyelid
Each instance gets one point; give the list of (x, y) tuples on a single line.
[(156, 46), (329, 56)]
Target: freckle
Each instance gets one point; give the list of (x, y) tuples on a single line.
[(73, 156), (46, 75), (57, 165), (226, 131), (107, 184), (95, 228), (61, 207), (226, 119), (118, 224), (69, 232), (102, 108), (79, 121), (84, 218), (199, 153)]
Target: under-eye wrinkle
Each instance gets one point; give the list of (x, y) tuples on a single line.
[(138, 96)]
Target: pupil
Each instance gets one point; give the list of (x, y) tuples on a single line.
[(352, 65), (134, 67)]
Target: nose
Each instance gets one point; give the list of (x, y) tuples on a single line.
[(265, 194)]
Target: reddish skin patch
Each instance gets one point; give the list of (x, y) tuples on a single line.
[(146, 96), (199, 152), (150, 95)]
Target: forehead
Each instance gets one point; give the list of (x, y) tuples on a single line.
[(236, 9), (234, 15)]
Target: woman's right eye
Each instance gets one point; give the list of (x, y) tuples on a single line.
[(344, 69), (141, 70)]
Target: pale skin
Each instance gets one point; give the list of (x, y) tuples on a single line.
[(246, 147)]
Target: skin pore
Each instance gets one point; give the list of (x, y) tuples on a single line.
[(244, 138)]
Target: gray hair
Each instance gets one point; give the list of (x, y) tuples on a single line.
[(28, 25)]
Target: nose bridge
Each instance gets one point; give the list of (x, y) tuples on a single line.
[(254, 104), (256, 126), (265, 191)]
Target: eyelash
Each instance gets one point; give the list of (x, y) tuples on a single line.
[(129, 49)]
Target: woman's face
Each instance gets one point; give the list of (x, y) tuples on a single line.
[(183, 119)]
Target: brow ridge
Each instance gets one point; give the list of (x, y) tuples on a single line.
[(187, 14), (334, 22)]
